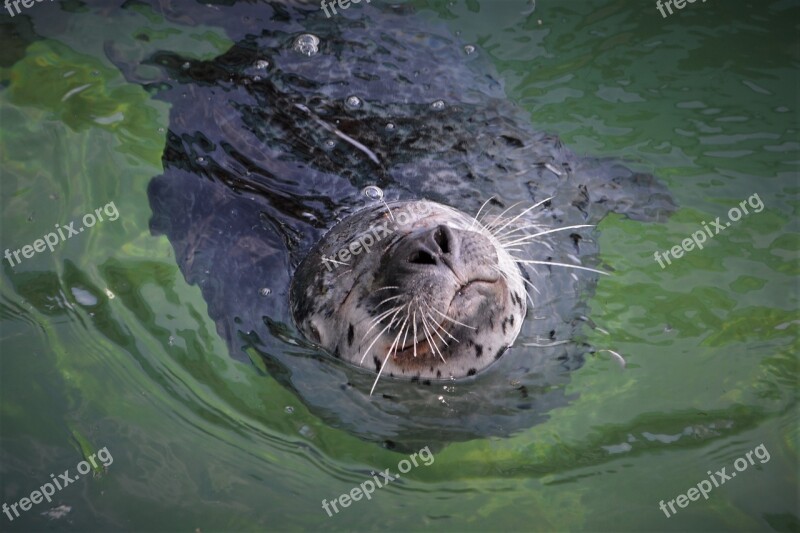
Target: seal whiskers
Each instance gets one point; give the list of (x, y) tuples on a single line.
[(456, 287), (566, 265), (528, 237)]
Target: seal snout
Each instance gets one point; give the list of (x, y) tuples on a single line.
[(442, 254), (434, 248)]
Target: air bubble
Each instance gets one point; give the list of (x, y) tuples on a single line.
[(389, 126), (330, 143), (438, 105), (261, 64), (289, 409), (265, 291), (373, 192), (84, 297), (353, 102), (186, 66), (201, 161), (307, 44), (469, 49)]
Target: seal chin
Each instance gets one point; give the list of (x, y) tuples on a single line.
[(465, 307)]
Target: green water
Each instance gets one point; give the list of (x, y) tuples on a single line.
[(103, 343)]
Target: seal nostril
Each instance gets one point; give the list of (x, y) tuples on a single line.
[(421, 257), (442, 239)]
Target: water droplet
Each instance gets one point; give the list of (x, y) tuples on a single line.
[(256, 78), (307, 432), (110, 294), (469, 49), (307, 44), (389, 126), (330, 143), (261, 64), (161, 130), (265, 291), (171, 340), (289, 409), (438, 105), (353, 102), (202, 161), (186, 66), (373, 193)]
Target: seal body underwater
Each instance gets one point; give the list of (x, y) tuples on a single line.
[(268, 149)]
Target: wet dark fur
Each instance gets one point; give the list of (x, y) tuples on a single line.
[(249, 186)]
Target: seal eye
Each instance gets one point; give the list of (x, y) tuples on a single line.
[(314, 333)]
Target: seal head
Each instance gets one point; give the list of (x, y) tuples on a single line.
[(411, 289)]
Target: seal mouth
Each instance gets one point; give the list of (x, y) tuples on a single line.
[(474, 283), (441, 335), (420, 349)]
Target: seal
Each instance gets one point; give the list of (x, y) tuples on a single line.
[(439, 298), (268, 149)]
